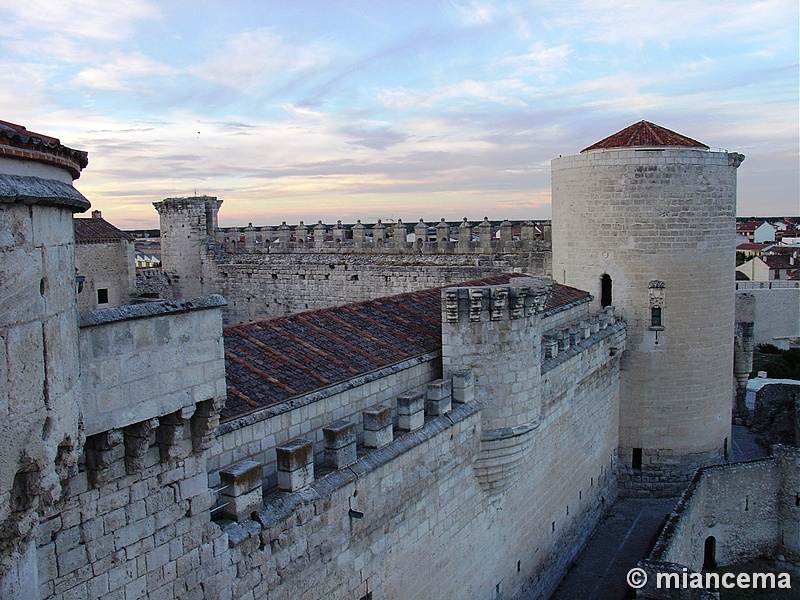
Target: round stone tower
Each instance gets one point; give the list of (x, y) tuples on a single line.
[(40, 421), (645, 221)]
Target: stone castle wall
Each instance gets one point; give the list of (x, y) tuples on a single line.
[(267, 285), (403, 507), (135, 519), (40, 435), (188, 227), (255, 436), (149, 360), (266, 272)]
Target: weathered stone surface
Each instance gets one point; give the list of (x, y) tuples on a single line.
[(340, 444), (377, 418), (241, 478), (294, 454)]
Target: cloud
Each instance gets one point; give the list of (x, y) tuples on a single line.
[(541, 60), (377, 136), (129, 73), (474, 12), (250, 59), (93, 19), (634, 23)]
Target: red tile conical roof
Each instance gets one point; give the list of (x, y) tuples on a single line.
[(645, 133)]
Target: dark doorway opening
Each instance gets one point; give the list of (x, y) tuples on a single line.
[(605, 290), (636, 458), (709, 554)]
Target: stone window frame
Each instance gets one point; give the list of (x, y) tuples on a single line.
[(657, 305)]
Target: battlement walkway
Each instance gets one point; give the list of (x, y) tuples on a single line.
[(624, 537)]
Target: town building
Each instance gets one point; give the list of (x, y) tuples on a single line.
[(104, 258)]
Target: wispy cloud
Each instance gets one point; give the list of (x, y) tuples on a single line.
[(547, 61), (250, 59), (88, 19), (474, 12), (125, 73)]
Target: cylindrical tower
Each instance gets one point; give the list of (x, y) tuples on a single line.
[(188, 225), (645, 221), (40, 422)]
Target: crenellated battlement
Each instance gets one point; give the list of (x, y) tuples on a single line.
[(523, 297), (389, 238), (569, 339), (296, 464)]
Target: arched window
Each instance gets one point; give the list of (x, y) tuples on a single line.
[(605, 290)]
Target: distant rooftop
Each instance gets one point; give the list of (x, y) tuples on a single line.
[(97, 229), (273, 360), (645, 134)]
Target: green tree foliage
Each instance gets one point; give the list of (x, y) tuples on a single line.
[(779, 364), (741, 258)]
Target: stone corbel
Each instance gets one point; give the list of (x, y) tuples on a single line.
[(451, 305), (499, 299), (475, 304)]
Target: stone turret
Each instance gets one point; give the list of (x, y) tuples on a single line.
[(491, 331), (644, 220), (40, 432), (188, 227)]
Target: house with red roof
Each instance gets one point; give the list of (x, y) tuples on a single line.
[(104, 257), (771, 267)]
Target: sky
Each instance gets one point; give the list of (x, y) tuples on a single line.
[(343, 110)]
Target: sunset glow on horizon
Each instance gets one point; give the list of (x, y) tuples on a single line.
[(365, 110)]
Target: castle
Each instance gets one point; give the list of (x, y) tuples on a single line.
[(458, 438)]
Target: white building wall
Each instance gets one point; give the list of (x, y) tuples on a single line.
[(777, 318), (764, 233)]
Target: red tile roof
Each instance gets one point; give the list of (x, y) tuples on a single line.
[(645, 134), (754, 247), (97, 229), (18, 142), (273, 360), (749, 225), (778, 261)]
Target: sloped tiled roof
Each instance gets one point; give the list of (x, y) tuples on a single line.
[(97, 229), (645, 134), (749, 225), (778, 261), (273, 360), (754, 247)]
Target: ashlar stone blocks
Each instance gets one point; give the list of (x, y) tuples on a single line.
[(377, 426), (340, 444), (410, 411), (438, 397), (242, 493), (295, 465)]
